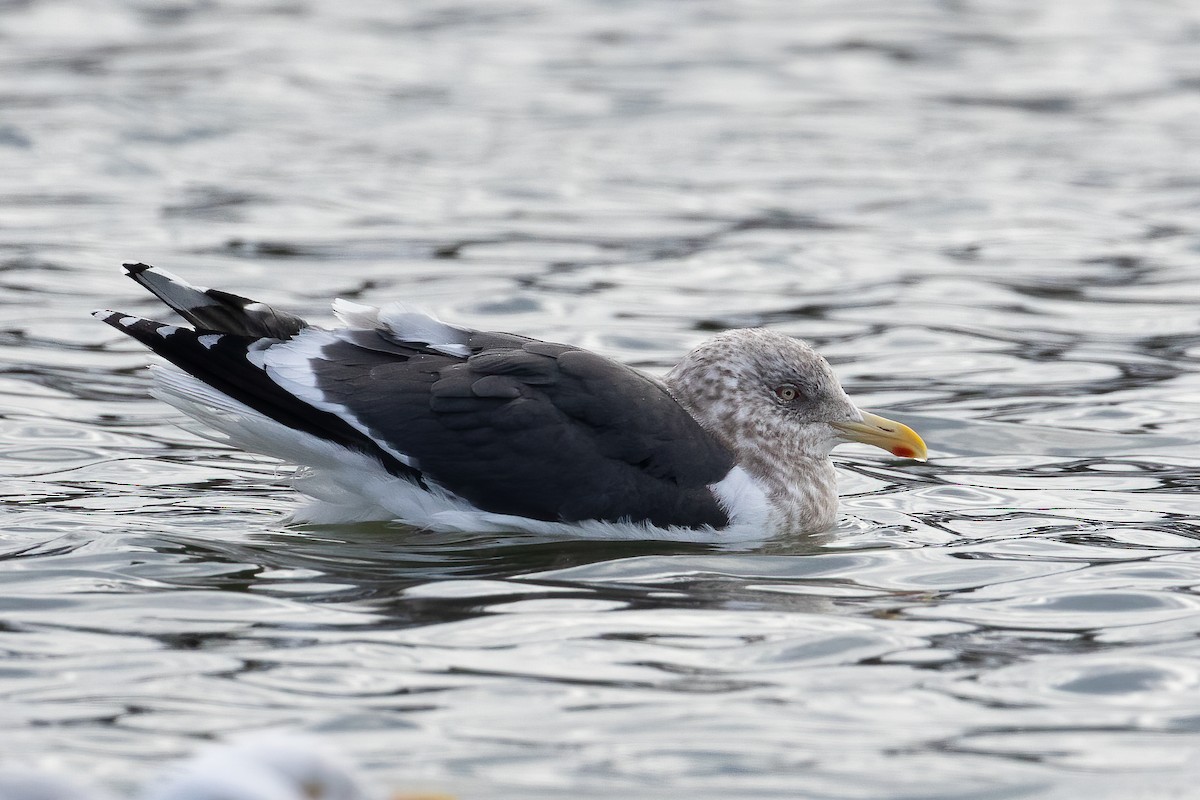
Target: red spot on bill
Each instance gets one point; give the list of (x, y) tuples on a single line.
[(903, 451)]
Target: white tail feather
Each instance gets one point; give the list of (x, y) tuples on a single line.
[(356, 315)]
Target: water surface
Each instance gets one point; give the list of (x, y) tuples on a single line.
[(983, 213)]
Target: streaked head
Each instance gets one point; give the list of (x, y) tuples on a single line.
[(753, 386)]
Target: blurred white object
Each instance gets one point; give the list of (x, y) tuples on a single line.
[(263, 767), (267, 766)]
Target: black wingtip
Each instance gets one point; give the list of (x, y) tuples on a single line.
[(133, 270)]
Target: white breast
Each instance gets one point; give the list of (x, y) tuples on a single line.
[(744, 499)]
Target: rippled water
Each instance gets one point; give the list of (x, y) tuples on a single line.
[(984, 213)]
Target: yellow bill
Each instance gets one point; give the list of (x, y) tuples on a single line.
[(899, 440)]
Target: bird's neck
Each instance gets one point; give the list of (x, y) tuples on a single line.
[(802, 492), (800, 487)]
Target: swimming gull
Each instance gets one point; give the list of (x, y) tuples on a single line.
[(398, 415)]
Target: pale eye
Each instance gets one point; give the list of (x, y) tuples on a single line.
[(787, 392)]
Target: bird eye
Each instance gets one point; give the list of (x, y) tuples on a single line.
[(787, 392)]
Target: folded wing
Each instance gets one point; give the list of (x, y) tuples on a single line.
[(510, 424)]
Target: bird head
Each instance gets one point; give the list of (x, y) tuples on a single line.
[(755, 388)]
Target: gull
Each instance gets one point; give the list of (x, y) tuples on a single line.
[(397, 415)]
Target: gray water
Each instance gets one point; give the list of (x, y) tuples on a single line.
[(986, 214)]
